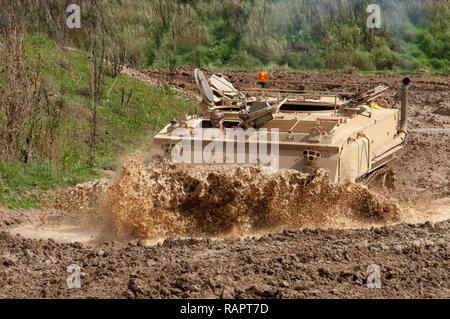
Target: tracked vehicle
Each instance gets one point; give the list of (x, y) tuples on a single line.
[(352, 135)]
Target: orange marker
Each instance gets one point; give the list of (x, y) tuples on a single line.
[(263, 76)]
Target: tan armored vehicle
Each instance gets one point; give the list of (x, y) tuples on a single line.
[(350, 134)]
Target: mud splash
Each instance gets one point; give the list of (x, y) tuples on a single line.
[(431, 211), (159, 200)]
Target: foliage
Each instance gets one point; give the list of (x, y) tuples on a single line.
[(302, 34)]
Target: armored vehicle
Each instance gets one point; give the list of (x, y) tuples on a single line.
[(352, 135)]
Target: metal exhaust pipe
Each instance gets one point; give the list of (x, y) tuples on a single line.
[(405, 105), (400, 138)]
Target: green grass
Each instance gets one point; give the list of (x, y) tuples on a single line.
[(417, 61), (28, 186), (121, 128)]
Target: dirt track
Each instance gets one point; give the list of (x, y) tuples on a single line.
[(294, 264), (413, 255)]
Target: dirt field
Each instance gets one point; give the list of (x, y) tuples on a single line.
[(324, 254)]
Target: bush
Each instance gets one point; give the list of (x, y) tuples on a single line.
[(338, 60), (363, 61), (438, 63), (296, 60), (434, 46), (383, 57), (246, 60), (408, 32)]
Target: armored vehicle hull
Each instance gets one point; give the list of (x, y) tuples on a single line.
[(348, 137)]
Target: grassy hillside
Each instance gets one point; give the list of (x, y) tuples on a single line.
[(61, 154), (256, 34)]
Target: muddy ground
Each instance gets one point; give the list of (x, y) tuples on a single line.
[(309, 260)]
